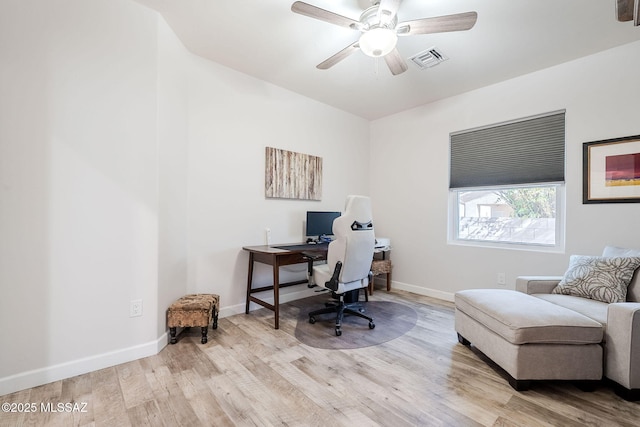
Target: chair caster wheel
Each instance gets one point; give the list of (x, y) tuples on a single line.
[(312, 320), (338, 332), (372, 325)]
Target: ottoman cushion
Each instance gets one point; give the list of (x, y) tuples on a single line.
[(522, 319)]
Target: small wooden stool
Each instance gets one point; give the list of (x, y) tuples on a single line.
[(193, 310), (381, 266)]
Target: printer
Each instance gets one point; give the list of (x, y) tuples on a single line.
[(382, 244)]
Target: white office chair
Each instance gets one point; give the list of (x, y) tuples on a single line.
[(348, 267)]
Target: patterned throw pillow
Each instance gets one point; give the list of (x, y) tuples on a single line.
[(599, 278)]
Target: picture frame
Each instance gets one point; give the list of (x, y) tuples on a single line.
[(611, 170)]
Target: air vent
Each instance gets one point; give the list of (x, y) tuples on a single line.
[(429, 58)]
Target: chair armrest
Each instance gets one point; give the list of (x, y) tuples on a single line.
[(333, 282), (623, 344), (537, 284)]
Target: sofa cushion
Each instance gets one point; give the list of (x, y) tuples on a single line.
[(633, 291), (600, 278), (523, 319), (596, 310)]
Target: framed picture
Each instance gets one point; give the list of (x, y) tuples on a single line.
[(611, 171)]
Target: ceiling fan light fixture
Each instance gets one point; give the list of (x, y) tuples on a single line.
[(378, 42)]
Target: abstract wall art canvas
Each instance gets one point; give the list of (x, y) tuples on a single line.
[(622, 169), (291, 175)]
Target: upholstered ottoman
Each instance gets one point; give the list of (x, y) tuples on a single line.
[(531, 339), (193, 310)]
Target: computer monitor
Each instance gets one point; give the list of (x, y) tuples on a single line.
[(320, 223)]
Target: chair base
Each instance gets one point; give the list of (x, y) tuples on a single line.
[(341, 308)]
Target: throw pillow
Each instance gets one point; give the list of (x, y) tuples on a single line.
[(599, 278)]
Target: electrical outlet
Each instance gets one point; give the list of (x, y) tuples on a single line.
[(135, 308), (267, 234), (501, 279)]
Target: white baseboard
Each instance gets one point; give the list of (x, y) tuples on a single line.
[(306, 292), (85, 365), (433, 293), (284, 298)]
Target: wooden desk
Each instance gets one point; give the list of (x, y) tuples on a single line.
[(277, 256)]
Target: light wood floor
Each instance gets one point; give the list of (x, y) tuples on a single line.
[(250, 374)]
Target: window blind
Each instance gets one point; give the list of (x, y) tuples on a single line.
[(525, 151)]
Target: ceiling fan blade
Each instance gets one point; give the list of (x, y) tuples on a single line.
[(395, 62), (324, 15), (438, 24), (333, 60), (387, 10)]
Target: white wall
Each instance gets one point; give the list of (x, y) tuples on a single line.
[(173, 159), (410, 160), (130, 169), (78, 182), (233, 118)]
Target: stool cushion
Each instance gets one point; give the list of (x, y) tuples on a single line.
[(380, 266), (522, 319), (192, 310)]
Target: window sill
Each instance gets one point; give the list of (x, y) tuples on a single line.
[(507, 245)]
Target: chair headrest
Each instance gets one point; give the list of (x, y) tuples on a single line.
[(356, 217), (358, 208)]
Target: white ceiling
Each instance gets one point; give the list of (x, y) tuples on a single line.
[(264, 39)]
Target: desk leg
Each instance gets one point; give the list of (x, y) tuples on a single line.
[(249, 282), (276, 292)]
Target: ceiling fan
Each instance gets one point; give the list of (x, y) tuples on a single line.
[(628, 10), (380, 29)]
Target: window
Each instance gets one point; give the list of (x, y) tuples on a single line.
[(512, 215), (507, 184)]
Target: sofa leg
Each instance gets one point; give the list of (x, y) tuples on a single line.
[(519, 385), (462, 340), (631, 395)]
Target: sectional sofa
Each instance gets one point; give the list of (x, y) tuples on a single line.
[(582, 326)]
